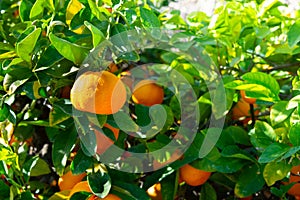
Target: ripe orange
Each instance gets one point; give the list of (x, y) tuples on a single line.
[(247, 99), (148, 93), (82, 186), (154, 192), (295, 177), (69, 180), (242, 110), (193, 176), (104, 142), (98, 92), (113, 67), (108, 197)]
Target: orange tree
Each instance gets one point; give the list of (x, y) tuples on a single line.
[(254, 47)]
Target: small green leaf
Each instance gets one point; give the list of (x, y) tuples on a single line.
[(293, 34), (169, 186), (273, 152), (275, 171), (98, 36), (279, 112), (40, 168), (208, 192), (294, 134), (71, 51), (25, 47), (62, 146), (4, 111), (249, 181), (57, 115), (263, 135), (99, 182), (81, 163), (149, 19), (37, 10), (25, 8)]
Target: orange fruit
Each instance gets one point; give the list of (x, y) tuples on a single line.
[(154, 192), (241, 111), (104, 142), (82, 186), (247, 99), (98, 92), (69, 180), (295, 177), (108, 197), (193, 176), (148, 93), (113, 67)]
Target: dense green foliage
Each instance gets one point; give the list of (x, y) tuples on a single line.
[(253, 45)]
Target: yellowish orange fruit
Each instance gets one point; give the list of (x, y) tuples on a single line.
[(147, 93), (113, 67), (69, 180), (154, 192), (247, 99), (82, 186), (193, 176), (98, 92), (242, 111), (104, 142), (295, 177)]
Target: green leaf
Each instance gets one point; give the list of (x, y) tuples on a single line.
[(293, 34), (57, 115), (62, 146), (130, 191), (125, 123), (294, 134), (96, 12), (81, 162), (293, 103), (228, 165), (149, 19), (249, 181), (25, 7), (265, 80), (26, 46), (4, 191), (98, 36), (234, 151), (279, 112), (263, 135), (37, 10), (169, 186), (70, 51), (40, 168), (238, 134), (4, 111), (262, 32), (273, 152), (208, 192), (99, 182), (275, 171)]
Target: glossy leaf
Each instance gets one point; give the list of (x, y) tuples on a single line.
[(275, 171), (70, 51), (25, 47)]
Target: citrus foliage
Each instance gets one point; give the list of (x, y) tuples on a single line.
[(254, 45)]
